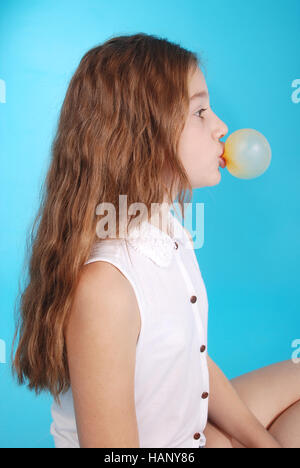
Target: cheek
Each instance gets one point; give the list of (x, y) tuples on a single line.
[(193, 146)]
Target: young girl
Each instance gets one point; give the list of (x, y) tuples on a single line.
[(115, 326)]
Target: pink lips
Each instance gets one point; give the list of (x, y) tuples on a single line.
[(222, 162)]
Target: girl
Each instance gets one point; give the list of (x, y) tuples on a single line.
[(115, 326)]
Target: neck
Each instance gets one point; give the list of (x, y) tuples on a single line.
[(160, 218)]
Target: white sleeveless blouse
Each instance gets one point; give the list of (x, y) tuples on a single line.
[(171, 373)]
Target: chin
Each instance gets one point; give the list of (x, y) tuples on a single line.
[(214, 179), (219, 177)]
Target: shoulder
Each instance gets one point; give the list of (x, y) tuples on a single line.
[(105, 296), (103, 273)]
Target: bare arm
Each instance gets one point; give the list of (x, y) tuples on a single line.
[(101, 339), (227, 411)]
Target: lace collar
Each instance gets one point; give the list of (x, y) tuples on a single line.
[(156, 244)]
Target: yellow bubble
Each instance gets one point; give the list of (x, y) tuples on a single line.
[(247, 153)]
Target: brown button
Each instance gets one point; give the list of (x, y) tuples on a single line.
[(176, 245), (196, 435), (202, 348), (193, 299), (204, 395)]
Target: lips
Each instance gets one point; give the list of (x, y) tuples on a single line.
[(222, 162)]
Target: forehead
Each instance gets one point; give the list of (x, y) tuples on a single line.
[(197, 82)]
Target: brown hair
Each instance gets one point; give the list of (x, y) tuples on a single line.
[(118, 131)]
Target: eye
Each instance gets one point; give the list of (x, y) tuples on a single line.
[(201, 110)]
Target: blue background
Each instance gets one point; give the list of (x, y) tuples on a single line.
[(251, 251)]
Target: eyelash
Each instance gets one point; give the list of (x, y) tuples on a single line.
[(201, 110)]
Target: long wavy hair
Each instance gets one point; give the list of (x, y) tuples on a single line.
[(117, 133)]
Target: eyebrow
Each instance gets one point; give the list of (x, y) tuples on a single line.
[(200, 94)]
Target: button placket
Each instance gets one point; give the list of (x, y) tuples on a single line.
[(193, 297), (198, 439), (199, 324)]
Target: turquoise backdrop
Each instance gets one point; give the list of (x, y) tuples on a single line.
[(251, 251)]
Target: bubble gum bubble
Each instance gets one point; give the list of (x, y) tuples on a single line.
[(247, 153)]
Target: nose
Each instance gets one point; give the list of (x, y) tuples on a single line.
[(221, 129)]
